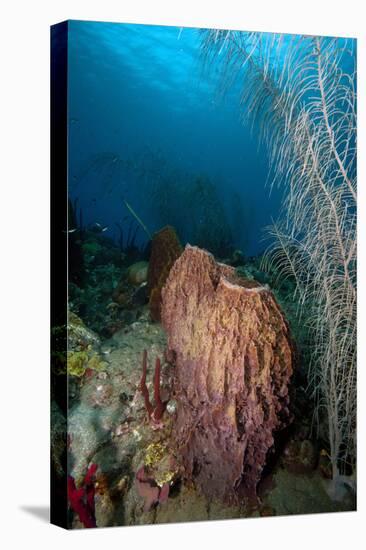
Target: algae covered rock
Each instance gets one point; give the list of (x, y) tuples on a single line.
[(160, 463), (76, 363), (233, 363), (74, 345), (80, 337), (83, 348), (79, 361), (137, 273)]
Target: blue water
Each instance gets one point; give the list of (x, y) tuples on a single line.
[(141, 110), (140, 103)]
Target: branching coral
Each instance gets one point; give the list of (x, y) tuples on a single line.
[(303, 100)]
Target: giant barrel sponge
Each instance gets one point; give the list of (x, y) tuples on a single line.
[(165, 249), (233, 363)]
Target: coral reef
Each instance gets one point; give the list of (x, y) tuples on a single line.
[(104, 265), (165, 249), (233, 364), (107, 426)]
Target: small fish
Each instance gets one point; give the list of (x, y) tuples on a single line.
[(71, 230), (98, 228)]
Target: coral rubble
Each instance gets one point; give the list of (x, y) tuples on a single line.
[(233, 364), (165, 249)]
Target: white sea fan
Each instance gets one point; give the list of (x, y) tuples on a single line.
[(295, 90)]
